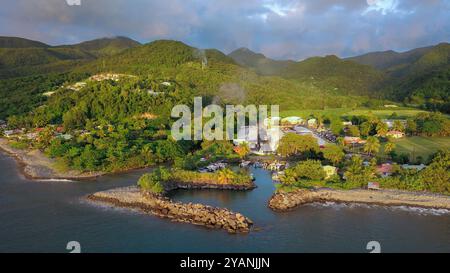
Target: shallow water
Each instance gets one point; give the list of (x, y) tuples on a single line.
[(42, 216)]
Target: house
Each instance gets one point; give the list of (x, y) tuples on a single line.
[(329, 171), (390, 122), (414, 167), (48, 94), (247, 134), (65, 136), (385, 169), (390, 106), (154, 93), (32, 136), (292, 120), (312, 122), (300, 130), (353, 140), (395, 134), (166, 83), (8, 133), (271, 122), (77, 86), (274, 136), (347, 123), (373, 186), (15, 132)]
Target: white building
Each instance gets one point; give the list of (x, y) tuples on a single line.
[(312, 122), (247, 134), (292, 120), (265, 141)]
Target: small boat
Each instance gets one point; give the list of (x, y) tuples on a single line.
[(257, 164), (245, 163)]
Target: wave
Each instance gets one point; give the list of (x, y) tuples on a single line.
[(415, 210), (55, 180)]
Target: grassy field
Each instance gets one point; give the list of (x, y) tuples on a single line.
[(307, 112), (386, 113), (342, 112), (421, 146)]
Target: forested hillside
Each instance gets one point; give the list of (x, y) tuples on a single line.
[(418, 77), (22, 57)]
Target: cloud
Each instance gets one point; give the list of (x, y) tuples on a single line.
[(282, 29)]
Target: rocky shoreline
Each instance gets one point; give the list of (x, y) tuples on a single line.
[(35, 165), (197, 214), (285, 201)]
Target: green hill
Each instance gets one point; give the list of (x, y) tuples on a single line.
[(21, 57), (390, 60), (15, 42), (329, 73), (257, 61), (104, 46)]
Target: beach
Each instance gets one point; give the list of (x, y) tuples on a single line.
[(285, 201), (35, 165)]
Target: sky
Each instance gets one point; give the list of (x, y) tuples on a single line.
[(280, 29)]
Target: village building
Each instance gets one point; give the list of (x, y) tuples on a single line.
[(48, 94), (64, 136), (265, 141), (249, 135), (77, 86), (390, 122), (330, 171), (312, 122), (292, 120), (272, 122), (373, 186), (414, 167), (32, 136), (8, 133), (347, 123), (385, 170), (395, 134), (348, 140)]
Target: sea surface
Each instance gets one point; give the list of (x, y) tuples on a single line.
[(43, 216)]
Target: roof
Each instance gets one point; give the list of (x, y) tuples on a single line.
[(395, 133), (385, 168)]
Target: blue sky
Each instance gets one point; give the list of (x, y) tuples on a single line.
[(281, 29)]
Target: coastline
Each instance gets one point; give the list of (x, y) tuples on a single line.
[(286, 201), (197, 214), (34, 165)]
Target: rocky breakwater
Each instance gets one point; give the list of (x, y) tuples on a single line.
[(284, 201), (197, 214)]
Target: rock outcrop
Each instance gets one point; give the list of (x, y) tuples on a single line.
[(197, 214)]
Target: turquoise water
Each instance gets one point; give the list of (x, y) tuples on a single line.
[(44, 216)]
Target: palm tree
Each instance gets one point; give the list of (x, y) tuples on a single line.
[(147, 153), (389, 147), (382, 129), (225, 176), (372, 145)]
